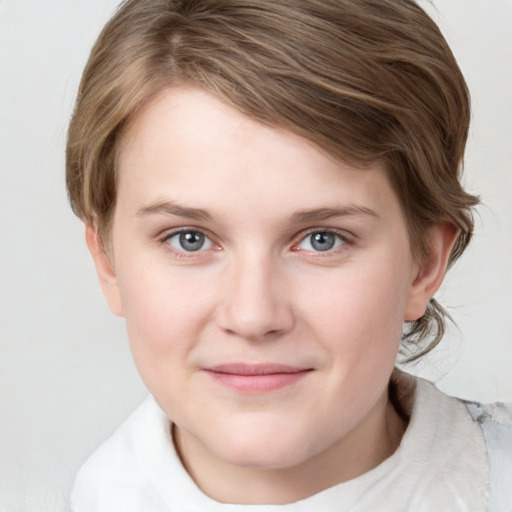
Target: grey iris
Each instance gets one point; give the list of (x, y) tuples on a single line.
[(322, 241), (191, 240)]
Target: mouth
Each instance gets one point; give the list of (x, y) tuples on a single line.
[(256, 378)]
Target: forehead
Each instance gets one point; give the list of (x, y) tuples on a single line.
[(186, 145)]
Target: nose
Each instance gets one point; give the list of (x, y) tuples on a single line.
[(256, 303)]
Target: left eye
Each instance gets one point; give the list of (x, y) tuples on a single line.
[(321, 241), (189, 241)]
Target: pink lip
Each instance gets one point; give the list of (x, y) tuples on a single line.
[(256, 377)]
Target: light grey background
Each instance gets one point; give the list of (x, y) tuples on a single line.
[(66, 376)]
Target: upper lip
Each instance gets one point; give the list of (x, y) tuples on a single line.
[(251, 369)]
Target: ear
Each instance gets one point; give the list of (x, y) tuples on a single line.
[(431, 270), (105, 270)]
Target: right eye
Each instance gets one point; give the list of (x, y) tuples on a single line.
[(188, 240)]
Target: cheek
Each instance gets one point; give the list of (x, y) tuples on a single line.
[(360, 313), (164, 314), (358, 323)]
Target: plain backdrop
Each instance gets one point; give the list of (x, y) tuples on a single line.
[(66, 376)]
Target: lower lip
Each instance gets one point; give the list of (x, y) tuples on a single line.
[(257, 383)]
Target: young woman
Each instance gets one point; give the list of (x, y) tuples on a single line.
[(271, 192)]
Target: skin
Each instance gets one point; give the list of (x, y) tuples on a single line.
[(258, 292)]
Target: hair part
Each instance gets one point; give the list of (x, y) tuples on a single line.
[(367, 81)]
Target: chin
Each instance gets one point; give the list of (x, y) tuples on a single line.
[(275, 448)]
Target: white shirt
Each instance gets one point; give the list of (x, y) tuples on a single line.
[(453, 457)]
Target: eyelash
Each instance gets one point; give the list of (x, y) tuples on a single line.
[(346, 241), (183, 253)]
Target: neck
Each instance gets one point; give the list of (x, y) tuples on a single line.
[(369, 443)]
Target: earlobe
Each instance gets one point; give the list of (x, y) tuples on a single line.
[(431, 271), (105, 270)]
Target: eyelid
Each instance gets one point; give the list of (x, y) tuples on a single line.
[(347, 238), (170, 233)]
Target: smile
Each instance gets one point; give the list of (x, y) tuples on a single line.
[(256, 378)]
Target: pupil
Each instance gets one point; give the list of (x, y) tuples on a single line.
[(322, 241), (191, 241)]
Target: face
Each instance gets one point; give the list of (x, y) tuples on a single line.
[(264, 285)]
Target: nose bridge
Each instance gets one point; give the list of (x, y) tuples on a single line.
[(256, 303)]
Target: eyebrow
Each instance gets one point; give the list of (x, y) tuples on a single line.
[(171, 208), (299, 217), (319, 214)]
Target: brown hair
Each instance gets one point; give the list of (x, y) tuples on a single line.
[(366, 80)]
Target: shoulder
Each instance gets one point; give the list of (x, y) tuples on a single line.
[(449, 448), (495, 414), (468, 447), (495, 421), (113, 478)]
